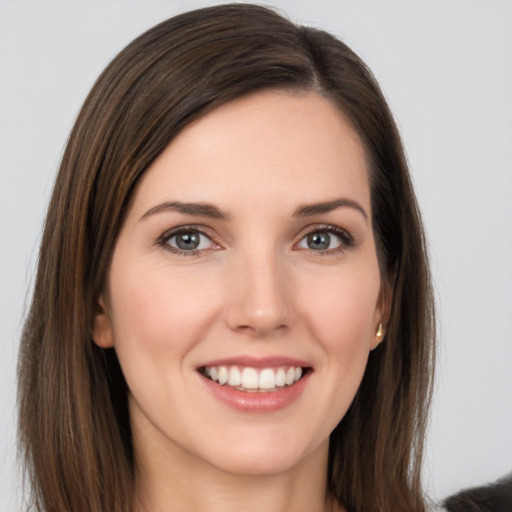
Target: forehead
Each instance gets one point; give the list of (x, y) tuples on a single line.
[(270, 146)]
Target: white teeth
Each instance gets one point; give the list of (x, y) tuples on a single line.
[(223, 375), (267, 379), (280, 377), (253, 379), (235, 377), (250, 378)]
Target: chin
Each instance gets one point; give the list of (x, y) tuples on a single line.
[(267, 456)]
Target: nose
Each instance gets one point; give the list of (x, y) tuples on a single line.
[(259, 302)]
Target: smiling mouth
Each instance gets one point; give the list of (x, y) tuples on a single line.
[(249, 379)]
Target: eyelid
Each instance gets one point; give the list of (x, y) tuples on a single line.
[(347, 240), (164, 238)]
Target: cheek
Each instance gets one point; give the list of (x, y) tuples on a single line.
[(342, 308), (341, 312), (158, 316), (158, 310)]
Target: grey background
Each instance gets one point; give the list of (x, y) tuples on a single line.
[(446, 69)]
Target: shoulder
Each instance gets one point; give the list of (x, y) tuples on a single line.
[(494, 497)]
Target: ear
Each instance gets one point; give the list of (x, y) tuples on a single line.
[(382, 313), (102, 332)]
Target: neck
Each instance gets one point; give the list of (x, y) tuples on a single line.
[(178, 481)]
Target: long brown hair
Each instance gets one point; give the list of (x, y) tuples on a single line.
[(74, 423)]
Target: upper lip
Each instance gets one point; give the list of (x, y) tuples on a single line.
[(258, 362)]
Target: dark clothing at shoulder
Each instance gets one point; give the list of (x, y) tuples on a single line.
[(495, 497)]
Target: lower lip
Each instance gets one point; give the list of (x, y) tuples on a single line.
[(258, 401)]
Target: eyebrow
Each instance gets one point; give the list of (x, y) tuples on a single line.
[(213, 212), (308, 210), (200, 209)]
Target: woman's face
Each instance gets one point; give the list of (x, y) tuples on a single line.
[(247, 260)]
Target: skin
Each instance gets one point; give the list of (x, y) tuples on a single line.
[(254, 287)]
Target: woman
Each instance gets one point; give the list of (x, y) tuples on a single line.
[(232, 305)]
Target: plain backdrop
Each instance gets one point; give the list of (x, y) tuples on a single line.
[(446, 69)]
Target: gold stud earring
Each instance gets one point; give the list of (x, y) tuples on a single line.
[(379, 335)]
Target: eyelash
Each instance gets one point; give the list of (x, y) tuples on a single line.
[(163, 241), (347, 241)]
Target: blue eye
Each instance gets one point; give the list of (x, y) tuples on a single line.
[(325, 240), (190, 240)]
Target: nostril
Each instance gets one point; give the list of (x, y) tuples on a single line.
[(260, 329)]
